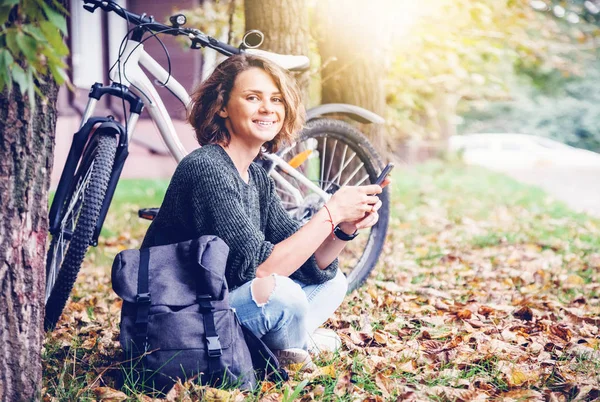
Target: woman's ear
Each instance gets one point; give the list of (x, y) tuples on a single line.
[(223, 113)]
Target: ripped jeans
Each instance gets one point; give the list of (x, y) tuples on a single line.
[(292, 312)]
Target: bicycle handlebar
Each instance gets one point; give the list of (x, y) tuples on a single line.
[(198, 38)]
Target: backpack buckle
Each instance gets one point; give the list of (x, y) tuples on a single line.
[(204, 302), (142, 298), (214, 346)]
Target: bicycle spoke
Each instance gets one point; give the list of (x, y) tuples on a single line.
[(362, 180), (353, 174), (330, 165), (321, 183), (342, 166), (339, 174), (80, 189)]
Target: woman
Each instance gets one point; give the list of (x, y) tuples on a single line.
[(284, 281)]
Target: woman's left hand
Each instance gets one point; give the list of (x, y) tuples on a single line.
[(370, 219), (367, 221)]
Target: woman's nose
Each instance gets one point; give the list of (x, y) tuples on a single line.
[(266, 106)]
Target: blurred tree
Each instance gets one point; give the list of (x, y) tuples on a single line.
[(31, 48), (285, 25), (354, 50)]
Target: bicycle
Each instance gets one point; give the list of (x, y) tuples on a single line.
[(306, 173)]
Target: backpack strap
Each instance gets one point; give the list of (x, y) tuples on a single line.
[(142, 301), (213, 345)]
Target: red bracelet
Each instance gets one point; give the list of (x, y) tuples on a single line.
[(330, 220)]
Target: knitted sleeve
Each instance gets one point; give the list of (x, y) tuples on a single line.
[(217, 199), (280, 226)]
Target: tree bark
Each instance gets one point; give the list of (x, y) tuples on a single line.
[(285, 27), (353, 57), (26, 159)]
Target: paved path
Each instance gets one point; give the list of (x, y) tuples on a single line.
[(577, 187)]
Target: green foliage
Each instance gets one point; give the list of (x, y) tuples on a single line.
[(471, 49), (31, 44), (569, 114), (217, 19)]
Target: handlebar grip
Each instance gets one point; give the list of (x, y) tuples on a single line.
[(224, 48)]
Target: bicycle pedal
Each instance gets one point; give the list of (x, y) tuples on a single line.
[(148, 213)]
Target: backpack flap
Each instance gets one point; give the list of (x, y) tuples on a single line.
[(174, 271)]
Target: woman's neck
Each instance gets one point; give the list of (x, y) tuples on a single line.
[(242, 156)]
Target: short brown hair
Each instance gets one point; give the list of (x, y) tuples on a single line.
[(213, 94)]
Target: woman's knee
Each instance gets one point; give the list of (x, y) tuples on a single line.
[(262, 289), (288, 296)]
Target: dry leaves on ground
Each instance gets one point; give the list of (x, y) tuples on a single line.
[(457, 311)]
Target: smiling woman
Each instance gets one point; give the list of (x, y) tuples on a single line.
[(284, 279)]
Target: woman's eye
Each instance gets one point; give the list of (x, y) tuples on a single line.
[(252, 98), (278, 100)]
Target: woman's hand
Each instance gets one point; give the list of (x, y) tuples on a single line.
[(369, 219), (350, 204)]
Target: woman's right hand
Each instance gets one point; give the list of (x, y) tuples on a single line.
[(351, 203)]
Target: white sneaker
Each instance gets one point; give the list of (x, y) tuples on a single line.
[(324, 340), (295, 359)]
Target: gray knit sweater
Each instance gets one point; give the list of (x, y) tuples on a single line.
[(207, 196)]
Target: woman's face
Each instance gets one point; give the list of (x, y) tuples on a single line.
[(255, 111)]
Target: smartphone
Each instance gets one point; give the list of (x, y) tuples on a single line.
[(386, 170)]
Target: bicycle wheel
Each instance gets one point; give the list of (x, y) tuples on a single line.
[(78, 219), (333, 154)]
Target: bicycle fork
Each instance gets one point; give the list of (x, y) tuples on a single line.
[(90, 128)]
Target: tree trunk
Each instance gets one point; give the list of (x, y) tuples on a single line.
[(353, 58), (26, 150), (285, 27), (26, 158)]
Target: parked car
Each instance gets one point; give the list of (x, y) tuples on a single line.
[(507, 150)]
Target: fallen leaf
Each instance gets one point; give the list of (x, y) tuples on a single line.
[(108, 394), (524, 313), (407, 367), (272, 397), (326, 371), (216, 395), (485, 311), (266, 386), (562, 332)]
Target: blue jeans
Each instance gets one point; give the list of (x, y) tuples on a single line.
[(292, 312)]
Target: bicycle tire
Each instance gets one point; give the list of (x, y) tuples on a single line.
[(372, 242), (81, 211)]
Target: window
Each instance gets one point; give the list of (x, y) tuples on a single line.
[(87, 45)]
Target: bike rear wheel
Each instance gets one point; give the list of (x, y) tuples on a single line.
[(78, 219), (332, 154)]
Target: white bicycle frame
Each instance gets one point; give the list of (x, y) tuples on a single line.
[(128, 73)]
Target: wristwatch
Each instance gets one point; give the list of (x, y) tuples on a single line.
[(340, 234)]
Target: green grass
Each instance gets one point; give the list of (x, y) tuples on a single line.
[(460, 192)]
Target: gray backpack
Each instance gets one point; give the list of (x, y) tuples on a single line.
[(176, 321)]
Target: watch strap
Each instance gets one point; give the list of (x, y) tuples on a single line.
[(340, 234)]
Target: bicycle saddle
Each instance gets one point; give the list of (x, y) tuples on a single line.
[(287, 61)]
